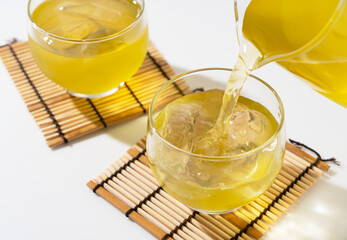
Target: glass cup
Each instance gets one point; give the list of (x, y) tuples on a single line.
[(228, 181), (89, 63)]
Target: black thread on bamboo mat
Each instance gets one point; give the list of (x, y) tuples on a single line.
[(97, 112), (143, 201), (164, 73), (198, 90), (9, 42), (137, 100), (101, 184), (179, 227), (299, 144), (295, 181), (49, 112)]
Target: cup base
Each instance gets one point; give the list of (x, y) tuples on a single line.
[(214, 212), (99, 95)]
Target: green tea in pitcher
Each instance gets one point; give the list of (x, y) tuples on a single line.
[(308, 38)]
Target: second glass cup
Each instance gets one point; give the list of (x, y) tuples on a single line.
[(213, 184), (88, 47)]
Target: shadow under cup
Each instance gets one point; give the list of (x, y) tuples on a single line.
[(96, 65), (216, 184)]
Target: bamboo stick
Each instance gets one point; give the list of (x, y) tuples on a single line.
[(231, 226), (249, 215), (270, 220), (301, 160), (306, 178), (214, 231), (242, 224), (228, 232)]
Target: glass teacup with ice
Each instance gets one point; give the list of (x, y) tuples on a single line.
[(213, 173)]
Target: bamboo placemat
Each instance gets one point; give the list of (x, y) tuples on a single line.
[(128, 184), (62, 117)]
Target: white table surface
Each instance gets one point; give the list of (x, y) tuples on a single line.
[(43, 191)]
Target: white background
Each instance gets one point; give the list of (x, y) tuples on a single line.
[(43, 193)]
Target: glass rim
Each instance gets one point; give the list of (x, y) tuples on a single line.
[(92, 40), (217, 158)]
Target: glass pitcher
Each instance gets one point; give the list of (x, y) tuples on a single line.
[(308, 38)]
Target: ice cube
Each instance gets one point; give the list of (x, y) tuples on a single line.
[(81, 29), (260, 128), (179, 125), (115, 15), (181, 121), (249, 129), (215, 173), (92, 10), (101, 47), (197, 171)]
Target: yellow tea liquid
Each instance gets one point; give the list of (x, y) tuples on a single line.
[(316, 30), (215, 185), (91, 51)]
